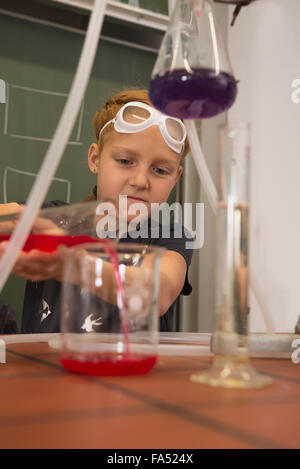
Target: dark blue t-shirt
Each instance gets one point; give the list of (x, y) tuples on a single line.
[(41, 309)]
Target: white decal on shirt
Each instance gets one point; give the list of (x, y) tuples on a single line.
[(45, 310), (88, 323)]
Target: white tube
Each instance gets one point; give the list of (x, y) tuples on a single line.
[(200, 163), (56, 148), (211, 192)]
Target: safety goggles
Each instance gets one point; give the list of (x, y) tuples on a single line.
[(136, 116)]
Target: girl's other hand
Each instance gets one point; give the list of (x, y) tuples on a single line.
[(34, 265), (37, 265), (7, 209), (47, 227), (6, 227)]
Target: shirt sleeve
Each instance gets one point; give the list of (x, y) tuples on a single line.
[(176, 238)]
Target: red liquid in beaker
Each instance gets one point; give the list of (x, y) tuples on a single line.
[(50, 243), (108, 364)]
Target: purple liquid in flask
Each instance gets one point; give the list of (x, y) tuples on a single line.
[(196, 95)]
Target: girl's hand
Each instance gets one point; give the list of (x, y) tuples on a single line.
[(7, 227), (46, 226), (35, 265), (7, 209)]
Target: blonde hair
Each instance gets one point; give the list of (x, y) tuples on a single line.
[(110, 110), (114, 104)]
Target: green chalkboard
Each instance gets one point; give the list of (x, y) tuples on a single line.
[(37, 63)]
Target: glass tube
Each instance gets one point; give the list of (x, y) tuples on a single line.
[(231, 365)]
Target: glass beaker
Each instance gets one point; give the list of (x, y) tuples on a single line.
[(231, 365), (192, 77), (110, 302), (66, 225)]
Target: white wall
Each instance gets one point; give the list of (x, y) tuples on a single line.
[(264, 46)]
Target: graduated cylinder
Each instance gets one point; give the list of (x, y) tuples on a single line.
[(230, 337)]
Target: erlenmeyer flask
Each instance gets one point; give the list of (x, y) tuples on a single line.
[(192, 77)]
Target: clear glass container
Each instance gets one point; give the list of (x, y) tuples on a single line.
[(110, 302), (66, 225), (192, 77), (231, 365)]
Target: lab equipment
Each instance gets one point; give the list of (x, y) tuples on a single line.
[(231, 366), (192, 77), (66, 225), (110, 302), (193, 43)]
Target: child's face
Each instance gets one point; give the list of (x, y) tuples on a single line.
[(139, 165)]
